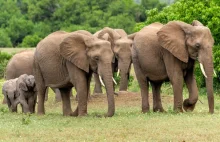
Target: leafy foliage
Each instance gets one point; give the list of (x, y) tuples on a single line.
[(4, 58), (25, 22)]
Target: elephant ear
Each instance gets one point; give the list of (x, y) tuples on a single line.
[(113, 34), (73, 49), (196, 23), (121, 32), (23, 86), (172, 37)]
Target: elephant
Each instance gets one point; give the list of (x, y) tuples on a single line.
[(121, 47), (22, 63), (64, 60), (20, 90), (168, 53)]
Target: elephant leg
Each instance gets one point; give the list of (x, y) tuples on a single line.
[(177, 84), (41, 88), (144, 86), (189, 104), (41, 99), (157, 105), (98, 86), (65, 94), (25, 106)]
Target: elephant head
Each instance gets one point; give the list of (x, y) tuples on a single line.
[(91, 54), (186, 42), (27, 82), (122, 51), (121, 47), (11, 95)]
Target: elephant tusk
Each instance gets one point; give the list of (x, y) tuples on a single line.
[(114, 81), (101, 81), (118, 72), (214, 72), (202, 69)]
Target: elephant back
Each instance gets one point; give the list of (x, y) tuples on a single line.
[(20, 63)]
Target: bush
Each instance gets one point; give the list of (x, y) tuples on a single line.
[(30, 41), (5, 39), (4, 58)]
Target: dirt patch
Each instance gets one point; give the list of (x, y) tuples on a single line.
[(124, 99)]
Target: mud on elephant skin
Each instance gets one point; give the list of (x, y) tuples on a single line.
[(168, 52), (65, 60), (22, 91), (22, 63), (121, 47)]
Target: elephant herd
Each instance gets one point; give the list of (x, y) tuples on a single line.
[(158, 52)]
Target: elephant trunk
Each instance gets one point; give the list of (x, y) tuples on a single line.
[(208, 67), (106, 74), (124, 74)]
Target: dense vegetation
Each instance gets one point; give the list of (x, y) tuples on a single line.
[(24, 23)]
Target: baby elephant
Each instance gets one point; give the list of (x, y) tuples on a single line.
[(21, 90)]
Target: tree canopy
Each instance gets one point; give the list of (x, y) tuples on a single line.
[(26, 22)]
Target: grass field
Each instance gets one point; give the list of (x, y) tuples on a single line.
[(128, 123), (14, 50)]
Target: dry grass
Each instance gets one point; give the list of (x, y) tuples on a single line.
[(14, 50)]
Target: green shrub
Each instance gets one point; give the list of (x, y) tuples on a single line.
[(30, 41), (117, 79), (4, 58), (5, 39)]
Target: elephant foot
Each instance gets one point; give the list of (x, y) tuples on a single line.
[(41, 113), (158, 109), (187, 106), (82, 114), (177, 110), (109, 115), (145, 110)]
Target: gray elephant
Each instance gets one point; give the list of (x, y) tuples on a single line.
[(168, 52), (65, 60), (121, 47), (21, 90), (22, 63)]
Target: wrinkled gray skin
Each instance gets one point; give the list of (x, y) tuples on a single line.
[(121, 47), (168, 52), (22, 63), (65, 60), (21, 90)]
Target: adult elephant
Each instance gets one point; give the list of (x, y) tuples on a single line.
[(121, 47), (168, 52), (22, 63), (65, 60)]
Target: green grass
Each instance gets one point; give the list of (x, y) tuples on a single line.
[(128, 124)]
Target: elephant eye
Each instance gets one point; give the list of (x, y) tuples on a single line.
[(96, 58), (197, 45)]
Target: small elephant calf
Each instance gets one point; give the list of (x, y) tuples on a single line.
[(21, 90)]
